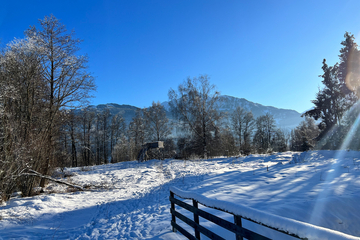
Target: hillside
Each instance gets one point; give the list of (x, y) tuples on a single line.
[(285, 118), (126, 111), (130, 200)]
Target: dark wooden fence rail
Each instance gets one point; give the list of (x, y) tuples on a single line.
[(236, 227)]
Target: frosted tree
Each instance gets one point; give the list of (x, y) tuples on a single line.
[(137, 131), (40, 76), (265, 128), (237, 123), (195, 106), (157, 123), (304, 135), (278, 141), (242, 123), (248, 129), (117, 132), (87, 119), (65, 75), (21, 112)]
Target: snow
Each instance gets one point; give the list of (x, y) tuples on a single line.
[(130, 200), (303, 230)]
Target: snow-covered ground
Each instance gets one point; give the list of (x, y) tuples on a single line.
[(130, 200)]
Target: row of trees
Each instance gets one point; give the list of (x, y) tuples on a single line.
[(333, 122), (91, 137), (206, 131)]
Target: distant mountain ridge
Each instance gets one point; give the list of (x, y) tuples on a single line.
[(285, 118), (126, 111)]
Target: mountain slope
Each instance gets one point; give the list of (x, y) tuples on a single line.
[(285, 118), (126, 111)]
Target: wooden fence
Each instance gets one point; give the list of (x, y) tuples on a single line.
[(236, 227)]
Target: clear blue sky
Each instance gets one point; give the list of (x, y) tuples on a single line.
[(269, 52)]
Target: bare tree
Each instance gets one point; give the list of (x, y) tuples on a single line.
[(39, 77), (265, 127), (117, 132), (102, 136), (303, 137), (195, 105), (237, 123), (278, 141), (157, 123), (105, 118), (122, 150), (68, 83), (249, 125), (87, 118), (21, 113), (137, 131)]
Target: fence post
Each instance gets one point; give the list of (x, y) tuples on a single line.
[(196, 220), (173, 208), (237, 221)]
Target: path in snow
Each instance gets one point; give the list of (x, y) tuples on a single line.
[(130, 200)]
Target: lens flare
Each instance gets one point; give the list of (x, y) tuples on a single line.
[(353, 74), (320, 203)]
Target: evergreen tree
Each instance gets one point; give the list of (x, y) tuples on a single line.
[(341, 87), (303, 136), (330, 103)]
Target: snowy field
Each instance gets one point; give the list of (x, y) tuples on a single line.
[(130, 200)]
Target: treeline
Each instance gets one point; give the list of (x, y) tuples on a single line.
[(206, 132), (202, 131), (89, 137)]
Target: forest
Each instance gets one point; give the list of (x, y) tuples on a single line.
[(45, 89)]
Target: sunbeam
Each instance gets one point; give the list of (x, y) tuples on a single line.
[(320, 204)]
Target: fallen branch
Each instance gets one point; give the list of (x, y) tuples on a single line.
[(36, 174)]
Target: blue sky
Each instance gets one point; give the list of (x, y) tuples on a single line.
[(269, 52)]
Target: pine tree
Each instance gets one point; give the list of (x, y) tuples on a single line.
[(330, 103), (340, 92)]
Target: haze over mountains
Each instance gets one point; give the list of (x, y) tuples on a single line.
[(285, 118)]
